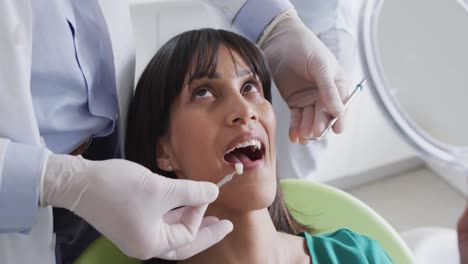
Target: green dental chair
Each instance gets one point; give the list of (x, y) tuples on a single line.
[(323, 207)]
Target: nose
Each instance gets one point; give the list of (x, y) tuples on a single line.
[(240, 112)]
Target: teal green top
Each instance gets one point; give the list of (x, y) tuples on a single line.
[(344, 246)]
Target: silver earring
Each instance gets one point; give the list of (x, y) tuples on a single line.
[(169, 167)]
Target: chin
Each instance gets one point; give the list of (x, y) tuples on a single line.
[(249, 198)]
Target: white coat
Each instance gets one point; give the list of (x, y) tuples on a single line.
[(17, 117)]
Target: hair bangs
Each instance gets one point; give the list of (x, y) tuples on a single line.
[(204, 47), (205, 57)]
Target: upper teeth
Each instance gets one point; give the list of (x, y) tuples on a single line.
[(254, 143)]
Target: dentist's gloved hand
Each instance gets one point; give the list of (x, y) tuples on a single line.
[(307, 75), (132, 207)]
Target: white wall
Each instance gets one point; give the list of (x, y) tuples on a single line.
[(156, 21)]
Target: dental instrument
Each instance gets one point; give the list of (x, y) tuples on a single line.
[(348, 101), (239, 170)]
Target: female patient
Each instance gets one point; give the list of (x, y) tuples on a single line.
[(203, 104)]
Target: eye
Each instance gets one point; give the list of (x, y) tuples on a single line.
[(251, 88), (201, 93)]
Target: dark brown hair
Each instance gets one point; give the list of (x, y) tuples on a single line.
[(161, 83)]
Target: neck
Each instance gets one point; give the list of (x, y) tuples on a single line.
[(253, 240)]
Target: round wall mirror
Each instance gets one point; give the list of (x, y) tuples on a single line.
[(415, 57)]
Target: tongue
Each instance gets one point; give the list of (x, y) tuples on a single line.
[(237, 157)]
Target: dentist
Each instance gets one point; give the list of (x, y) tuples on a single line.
[(66, 76), (335, 24)]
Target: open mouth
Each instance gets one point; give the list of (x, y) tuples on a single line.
[(246, 152)]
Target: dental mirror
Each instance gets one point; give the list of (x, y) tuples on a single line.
[(415, 57)]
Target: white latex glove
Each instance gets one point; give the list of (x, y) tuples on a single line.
[(132, 206), (307, 74)]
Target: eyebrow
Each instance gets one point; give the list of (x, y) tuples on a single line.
[(215, 75), (243, 72)]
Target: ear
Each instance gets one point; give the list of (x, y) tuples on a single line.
[(164, 157)]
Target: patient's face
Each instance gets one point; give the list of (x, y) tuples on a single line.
[(218, 121)]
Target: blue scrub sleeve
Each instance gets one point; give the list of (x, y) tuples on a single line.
[(255, 16), (19, 187)]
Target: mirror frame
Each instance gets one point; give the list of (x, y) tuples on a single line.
[(429, 148)]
